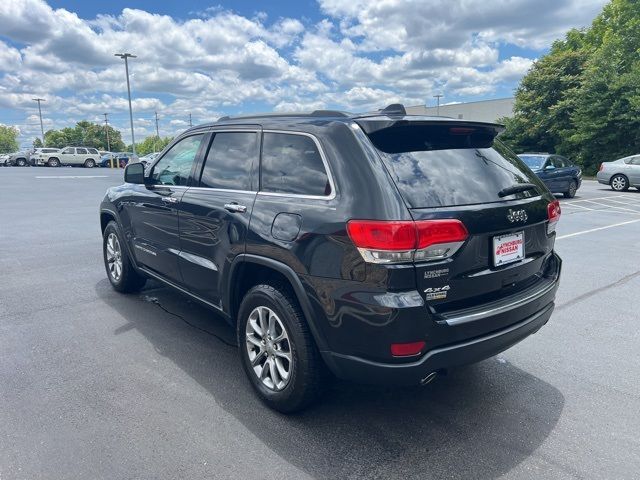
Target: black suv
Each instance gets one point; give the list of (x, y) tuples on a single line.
[(383, 248)]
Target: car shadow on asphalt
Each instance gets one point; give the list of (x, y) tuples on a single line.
[(477, 422)]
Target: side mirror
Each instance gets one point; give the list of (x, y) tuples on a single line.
[(134, 173), (549, 166)]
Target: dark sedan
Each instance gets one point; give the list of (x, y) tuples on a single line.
[(558, 173)]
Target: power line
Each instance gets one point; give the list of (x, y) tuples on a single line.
[(438, 97)]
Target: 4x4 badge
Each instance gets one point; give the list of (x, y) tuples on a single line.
[(517, 216), (436, 293)]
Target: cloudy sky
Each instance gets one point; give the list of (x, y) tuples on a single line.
[(246, 56)]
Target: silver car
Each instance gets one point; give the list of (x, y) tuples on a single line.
[(621, 174)]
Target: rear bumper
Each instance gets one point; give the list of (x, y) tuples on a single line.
[(603, 178), (470, 351)]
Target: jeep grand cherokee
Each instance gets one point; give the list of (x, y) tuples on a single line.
[(383, 248)]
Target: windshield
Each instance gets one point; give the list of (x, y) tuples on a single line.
[(435, 166), (534, 162)]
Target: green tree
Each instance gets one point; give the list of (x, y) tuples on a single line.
[(37, 143), (151, 144), (87, 134), (582, 99), (8, 139)]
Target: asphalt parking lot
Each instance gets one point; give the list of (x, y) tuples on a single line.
[(94, 384)]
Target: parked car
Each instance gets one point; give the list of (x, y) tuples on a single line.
[(75, 156), (148, 158), (385, 248), (19, 159), (621, 174), (41, 156), (558, 173), (4, 158), (123, 159)]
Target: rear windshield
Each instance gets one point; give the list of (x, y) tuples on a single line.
[(442, 165)]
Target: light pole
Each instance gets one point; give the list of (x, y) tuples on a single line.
[(126, 56), (40, 112), (106, 129), (438, 97), (155, 144)]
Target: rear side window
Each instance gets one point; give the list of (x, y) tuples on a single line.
[(635, 161), (442, 165), (230, 161), (292, 164), (81, 151)]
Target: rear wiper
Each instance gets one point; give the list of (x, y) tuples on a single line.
[(518, 187)]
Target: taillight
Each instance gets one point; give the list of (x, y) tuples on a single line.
[(406, 240), (601, 167), (553, 213)]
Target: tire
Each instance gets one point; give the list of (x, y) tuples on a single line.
[(124, 279), (21, 162), (89, 163), (619, 183), (306, 370), (53, 162), (573, 188)]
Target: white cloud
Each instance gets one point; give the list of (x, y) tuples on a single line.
[(362, 56)]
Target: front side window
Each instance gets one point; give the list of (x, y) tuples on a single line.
[(175, 166), (230, 161), (93, 151), (292, 164)]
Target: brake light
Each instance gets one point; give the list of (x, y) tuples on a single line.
[(406, 349), (601, 167), (406, 241), (553, 213)]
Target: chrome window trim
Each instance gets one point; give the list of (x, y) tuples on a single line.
[(327, 169)]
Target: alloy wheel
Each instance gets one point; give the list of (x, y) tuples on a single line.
[(269, 348), (618, 183), (114, 257)]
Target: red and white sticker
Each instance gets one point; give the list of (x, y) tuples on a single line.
[(508, 248)]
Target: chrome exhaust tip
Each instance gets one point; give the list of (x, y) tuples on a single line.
[(429, 378)]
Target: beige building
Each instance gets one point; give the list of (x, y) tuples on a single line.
[(482, 111)]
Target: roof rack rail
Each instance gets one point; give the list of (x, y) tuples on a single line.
[(329, 113)]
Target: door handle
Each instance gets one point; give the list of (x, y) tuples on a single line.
[(170, 199), (234, 207)]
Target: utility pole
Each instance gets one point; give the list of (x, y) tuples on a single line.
[(438, 97), (106, 129), (40, 112), (190, 123), (155, 144), (126, 56)]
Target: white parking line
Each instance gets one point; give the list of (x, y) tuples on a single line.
[(597, 229), (74, 176), (613, 207)]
